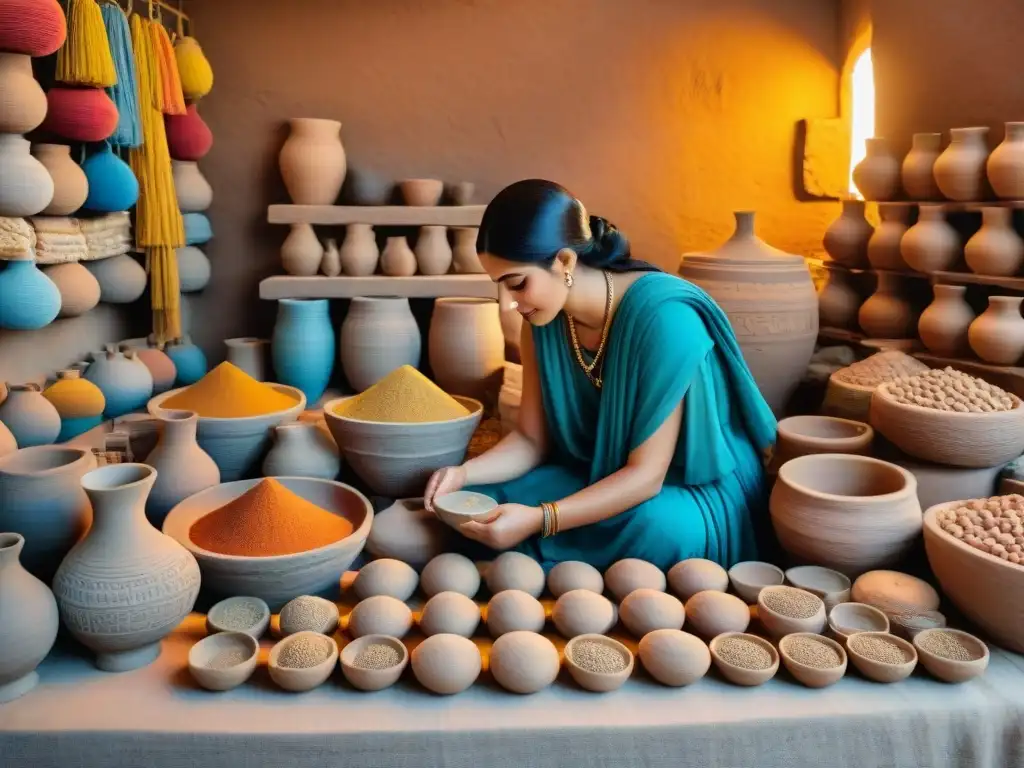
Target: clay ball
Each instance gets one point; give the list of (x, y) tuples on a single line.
[(629, 574), (688, 577), (710, 613), (446, 664), (380, 615), (645, 610), (308, 613), (574, 574), (524, 662), (514, 570), (450, 573), (896, 589), (514, 610), (386, 577), (450, 613), (673, 657), (582, 612)]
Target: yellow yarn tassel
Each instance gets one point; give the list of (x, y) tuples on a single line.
[(172, 101), (159, 228), (85, 58), (194, 68)]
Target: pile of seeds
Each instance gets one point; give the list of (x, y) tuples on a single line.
[(812, 652), (229, 657), (304, 651), (994, 525), (308, 613), (744, 653), (880, 368), (595, 656), (238, 616), (949, 646), (377, 656), (878, 649), (952, 390), (791, 602)]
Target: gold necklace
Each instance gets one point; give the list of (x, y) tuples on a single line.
[(588, 369)]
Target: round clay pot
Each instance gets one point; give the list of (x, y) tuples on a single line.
[(1005, 166), (997, 335), (31, 418), (313, 162), (32, 27), (465, 258), (79, 290), (996, 248), (193, 269), (22, 101), (70, 186), (26, 187), (846, 239), (943, 326), (838, 300), (398, 259), (378, 336), (359, 253), (29, 300), (122, 279), (191, 188), (188, 136), (433, 254), (466, 347), (806, 435), (918, 166), (877, 176), (884, 245), (301, 252), (932, 244), (886, 314), (960, 169), (80, 114)]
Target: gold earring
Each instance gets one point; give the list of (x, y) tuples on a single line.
[(568, 280)]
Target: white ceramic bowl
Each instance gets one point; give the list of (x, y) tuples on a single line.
[(396, 459), (750, 577), (848, 619), (277, 579), (462, 506), (206, 650), (237, 446)]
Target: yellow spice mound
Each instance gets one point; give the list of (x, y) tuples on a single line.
[(404, 396), (228, 392)]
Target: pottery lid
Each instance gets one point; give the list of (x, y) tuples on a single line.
[(744, 249)]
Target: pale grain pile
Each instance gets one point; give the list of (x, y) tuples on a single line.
[(595, 656), (404, 396), (238, 616), (951, 390), (878, 649), (228, 658), (879, 369), (744, 653), (994, 525), (304, 651), (791, 602), (377, 656), (812, 653), (949, 646), (305, 613)]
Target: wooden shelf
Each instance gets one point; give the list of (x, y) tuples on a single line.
[(416, 287), (951, 205), (969, 278), (382, 215)]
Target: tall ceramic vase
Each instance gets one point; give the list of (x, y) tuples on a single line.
[(877, 176), (28, 621), (302, 449), (887, 314), (838, 300), (301, 252), (125, 586), (313, 162), (1005, 165), (996, 248), (302, 346), (960, 169), (943, 326), (433, 254), (884, 245), (359, 253), (465, 259), (846, 239), (997, 335), (466, 347), (378, 336), (919, 166), (182, 467), (249, 354), (771, 302)]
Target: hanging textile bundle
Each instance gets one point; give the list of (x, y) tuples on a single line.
[(125, 93), (196, 73), (172, 101), (85, 59), (158, 227)]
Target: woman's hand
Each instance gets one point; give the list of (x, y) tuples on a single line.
[(510, 525), (445, 480)]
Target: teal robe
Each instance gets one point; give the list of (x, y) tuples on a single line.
[(668, 342)]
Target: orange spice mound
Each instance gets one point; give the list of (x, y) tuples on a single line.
[(228, 392), (268, 520)]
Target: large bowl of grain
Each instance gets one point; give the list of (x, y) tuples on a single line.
[(967, 558), (849, 391), (240, 527), (395, 434), (950, 417)]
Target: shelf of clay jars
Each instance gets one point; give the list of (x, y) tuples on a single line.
[(970, 278), (378, 215), (414, 287), (954, 206)]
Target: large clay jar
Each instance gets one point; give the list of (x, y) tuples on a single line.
[(126, 385), (378, 336), (122, 279), (182, 467), (31, 418), (249, 354), (838, 300), (302, 449), (301, 252), (771, 302), (359, 253), (398, 259), (433, 254), (996, 248), (467, 348), (79, 289), (302, 346), (997, 335), (931, 244), (29, 300), (191, 188), (887, 314), (22, 101), (943, 325), (465, 259), (25, 185), (960, 169), (877, 176), (70, 186), (32, 27), (79, 403), (884, 245), (846, 239), (919, 165), (1005, 165), (28, 621), (41, 498), (313, 161), (125, 586)]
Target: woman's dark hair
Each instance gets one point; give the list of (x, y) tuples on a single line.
[(530, 221)]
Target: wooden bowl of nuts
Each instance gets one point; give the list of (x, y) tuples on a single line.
[(949, 417), (981, 570), (951, 655)]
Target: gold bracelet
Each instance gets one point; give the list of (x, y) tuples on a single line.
[(554, 518)]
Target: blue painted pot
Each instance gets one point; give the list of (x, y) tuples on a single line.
[(189, 362), (198, 229), (112, 185), (29, 300), (302, 347)]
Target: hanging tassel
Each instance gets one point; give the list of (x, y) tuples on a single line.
[(193, 67), (125, 93), (172, 101), (165, 292), (85, 59)]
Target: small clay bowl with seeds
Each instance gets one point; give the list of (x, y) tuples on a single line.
[(813, 660), (744, 659), (785, 610), (598, 663), (848, 619), (223, 660), (374, 662), (881, 657), (239, 614), (302, 661), (951, 655)]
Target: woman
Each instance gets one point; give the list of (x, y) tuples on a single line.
[(641, 431)]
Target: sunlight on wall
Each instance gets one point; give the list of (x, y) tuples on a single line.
[(862, 114)]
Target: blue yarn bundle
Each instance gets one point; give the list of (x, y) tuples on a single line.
[(125, 94)]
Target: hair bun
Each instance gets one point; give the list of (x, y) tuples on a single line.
[(608, 244)]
